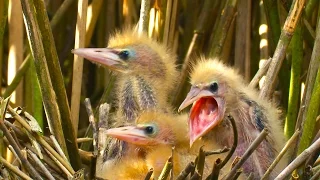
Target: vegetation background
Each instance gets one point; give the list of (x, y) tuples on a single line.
[(38, 71)]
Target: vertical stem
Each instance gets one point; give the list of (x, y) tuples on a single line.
[(295, 84), (242, 38), (15, 57), (78, 63), (3, 22), (58, 85), (49, 96), (279, 55), (144, 16)]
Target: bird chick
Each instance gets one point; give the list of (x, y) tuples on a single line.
[(218, 90), (145, 75), (155, 134), (146, 71)]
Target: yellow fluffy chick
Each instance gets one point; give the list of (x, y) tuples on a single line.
[(155, 134), (217, 91), (145, 69)]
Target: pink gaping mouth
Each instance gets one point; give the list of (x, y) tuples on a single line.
[(205, 114)]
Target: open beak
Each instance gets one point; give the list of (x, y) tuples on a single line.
[(130, 134), (206, 113), (102, 56)]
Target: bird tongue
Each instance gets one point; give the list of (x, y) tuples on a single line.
[(203, 117)]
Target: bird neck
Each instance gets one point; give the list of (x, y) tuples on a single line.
[(135, 94), (250, 121)]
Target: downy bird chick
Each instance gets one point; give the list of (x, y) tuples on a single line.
[(217, 91), (146, 74), (145, 69), (155, 134)]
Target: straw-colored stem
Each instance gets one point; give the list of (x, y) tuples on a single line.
[(280, 52), (14, 169), (40, 140), (78, 63), (144, 16), (280, 155), (44, 170), (166, 169), (186, 171), (299, 160), (247, 154), (243, 38), (24, 161), (49, 96)]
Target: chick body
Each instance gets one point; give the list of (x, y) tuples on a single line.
[(218, 91)]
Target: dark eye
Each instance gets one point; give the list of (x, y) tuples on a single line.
[(213, 87), (124, 55), (149, 130)]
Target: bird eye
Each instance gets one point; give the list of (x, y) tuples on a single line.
[(213, 87), (124, 55), (150, 129)]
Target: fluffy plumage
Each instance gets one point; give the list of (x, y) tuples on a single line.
[(146, 71), (218, 90), (155, 134), (145, 75)]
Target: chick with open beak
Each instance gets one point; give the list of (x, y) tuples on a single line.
[(217, 91)]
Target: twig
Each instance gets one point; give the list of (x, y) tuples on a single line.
[(93, 124), (44, 170), (215, 170), (166, 169), (316, 175), (46, 159), (200, 162), (144, 16), (60, 165), (81, 140), (86, 157), (247, 154), (195, 176), (239, 171), (78, 63), (186, 171), (149, 174), (172, 168), (13, 143), (299, 160), (250, 177), (15, 154), (280, 52), (40, 139), (261, 72), (280, 155), (14, 169), (58, 148), (219, 151)]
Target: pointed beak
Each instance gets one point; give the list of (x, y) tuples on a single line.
[(102, 56), (194, 94), (206, 113), (130, 134)]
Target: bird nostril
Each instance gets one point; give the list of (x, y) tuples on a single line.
[(98, 51)]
